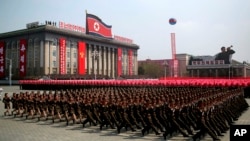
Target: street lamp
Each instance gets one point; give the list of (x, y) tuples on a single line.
[(10, 68), (95, 54), (229, 71)]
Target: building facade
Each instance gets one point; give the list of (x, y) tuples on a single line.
[(200, 66), (167, 66), (46, 49), (217, 68)]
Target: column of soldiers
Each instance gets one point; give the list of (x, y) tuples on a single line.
[(191, 111)]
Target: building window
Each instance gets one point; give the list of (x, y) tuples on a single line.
[(54, 42), (54, 53), (54, 70), (75, 71), (74, 65), (68, 70), (68, 64), (54, 63), (68, 54), (75, 55)]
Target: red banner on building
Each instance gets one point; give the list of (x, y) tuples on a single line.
[(175, 63), (95, 26), (81, 57), (119, 61), (2, 59), (22, 59), (62, 54), (130, 62)]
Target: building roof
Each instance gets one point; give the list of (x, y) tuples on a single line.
[(56, 30)]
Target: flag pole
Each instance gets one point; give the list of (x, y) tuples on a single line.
[(86, 23)]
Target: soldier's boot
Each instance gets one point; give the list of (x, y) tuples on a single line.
[(146, 128), (101, 125), (211, 133), (67, 122), (131, 127), (155, 130), (165, 136), (183, 133), (118, 130), (84, 122)]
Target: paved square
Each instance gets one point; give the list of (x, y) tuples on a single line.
[(20, 129)]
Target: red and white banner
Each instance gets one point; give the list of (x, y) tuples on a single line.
[(173, 45), (62, 54), (123, 39), (119, 62), (22, 59), (71, 27), (130, 62), (2, 59), (81, 57), (95, 26)]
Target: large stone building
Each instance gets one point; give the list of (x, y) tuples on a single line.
[(48, 49), (199, 66), (206, 66)]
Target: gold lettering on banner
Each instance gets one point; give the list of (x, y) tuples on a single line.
[(81, 54)]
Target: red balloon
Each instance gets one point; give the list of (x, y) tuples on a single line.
[(172, 21)]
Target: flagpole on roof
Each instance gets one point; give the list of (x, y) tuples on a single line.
[(86, 24)]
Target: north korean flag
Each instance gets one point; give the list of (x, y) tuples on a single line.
[(95, 26)]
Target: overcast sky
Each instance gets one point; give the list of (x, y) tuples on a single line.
[(202, 28)]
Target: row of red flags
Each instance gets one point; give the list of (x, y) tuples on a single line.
[(146, 82)]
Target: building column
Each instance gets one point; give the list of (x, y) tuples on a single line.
[(87, 59), (103, 61), (216, 72), (94, 68), (90, 65), (47, 59), (99, 60), (71, 58), (108, 62), (112, 63), (42, 57)]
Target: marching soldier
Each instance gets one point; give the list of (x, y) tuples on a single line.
[(6, 101)]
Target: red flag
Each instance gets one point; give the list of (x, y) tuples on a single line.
[(22, 58), (119, 61), (81, 57), (95, 26), (62, 49), (2, 58)]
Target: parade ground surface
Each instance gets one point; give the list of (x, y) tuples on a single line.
[(21, 129)]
